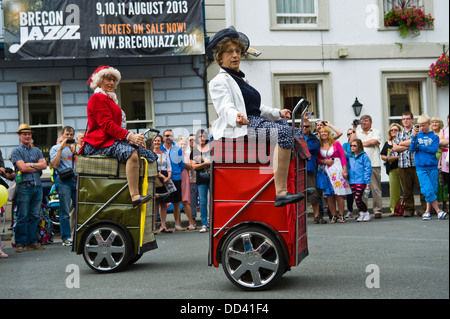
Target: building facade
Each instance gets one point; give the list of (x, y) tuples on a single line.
[(160, 92), (333, 51), (329, 52)]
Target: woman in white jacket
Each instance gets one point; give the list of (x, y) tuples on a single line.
[(240, 111)]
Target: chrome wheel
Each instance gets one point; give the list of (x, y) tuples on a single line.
[(252, 258), (106, 249)]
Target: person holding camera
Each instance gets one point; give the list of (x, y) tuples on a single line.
[(371, 139), (62, 159), (30, 162)]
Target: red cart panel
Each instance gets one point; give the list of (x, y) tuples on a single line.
[(243, 193)]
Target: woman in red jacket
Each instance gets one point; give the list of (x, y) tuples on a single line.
[(107, 132)]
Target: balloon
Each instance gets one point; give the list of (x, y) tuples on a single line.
[(3, 195)]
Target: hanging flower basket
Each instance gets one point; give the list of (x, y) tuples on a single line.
[(409, 20), (439, 71)]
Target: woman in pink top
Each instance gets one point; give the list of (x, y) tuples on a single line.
[(331, 159)]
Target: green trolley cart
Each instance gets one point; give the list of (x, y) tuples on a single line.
[(110, 233)]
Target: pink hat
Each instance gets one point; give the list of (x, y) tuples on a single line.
[(102, 71)]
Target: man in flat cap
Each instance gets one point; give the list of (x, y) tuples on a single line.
[(30, 161)]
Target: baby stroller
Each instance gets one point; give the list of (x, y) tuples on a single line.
[(52, 205)]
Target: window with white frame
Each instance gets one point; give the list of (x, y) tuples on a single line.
[(41, 108), (404, 95), (135, 100), (410, 91), (289, 88), (299, 14), (292, 93)]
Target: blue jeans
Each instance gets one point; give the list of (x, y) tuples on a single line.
[(203, 195), (67, 192), (29, 200)]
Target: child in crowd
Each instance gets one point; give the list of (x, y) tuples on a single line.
[(359, 171), (425, 145)]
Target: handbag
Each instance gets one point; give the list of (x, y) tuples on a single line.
[(204, 174), (399, 209), (159, 181), (67, 173)]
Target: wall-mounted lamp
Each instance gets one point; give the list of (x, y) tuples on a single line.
[(357, 107)]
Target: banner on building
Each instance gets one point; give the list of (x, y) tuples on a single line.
[(67, 29)]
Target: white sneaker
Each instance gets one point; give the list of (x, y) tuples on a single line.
[(426, 216), (367, 217), (203, 229), (360, 217), (442, 215), (67, 242), (349, 215)]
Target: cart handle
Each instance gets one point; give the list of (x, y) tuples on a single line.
[(146, 132), (294, 113), (151, 130)]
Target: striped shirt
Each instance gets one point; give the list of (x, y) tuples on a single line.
[(406, 158)]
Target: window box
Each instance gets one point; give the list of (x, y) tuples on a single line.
[(409, 21)]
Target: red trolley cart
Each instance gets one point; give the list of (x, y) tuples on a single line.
[(255, 242)]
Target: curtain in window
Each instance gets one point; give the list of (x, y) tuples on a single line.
[(292, 93), (389, 4), (295, 6), (412, 90)]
